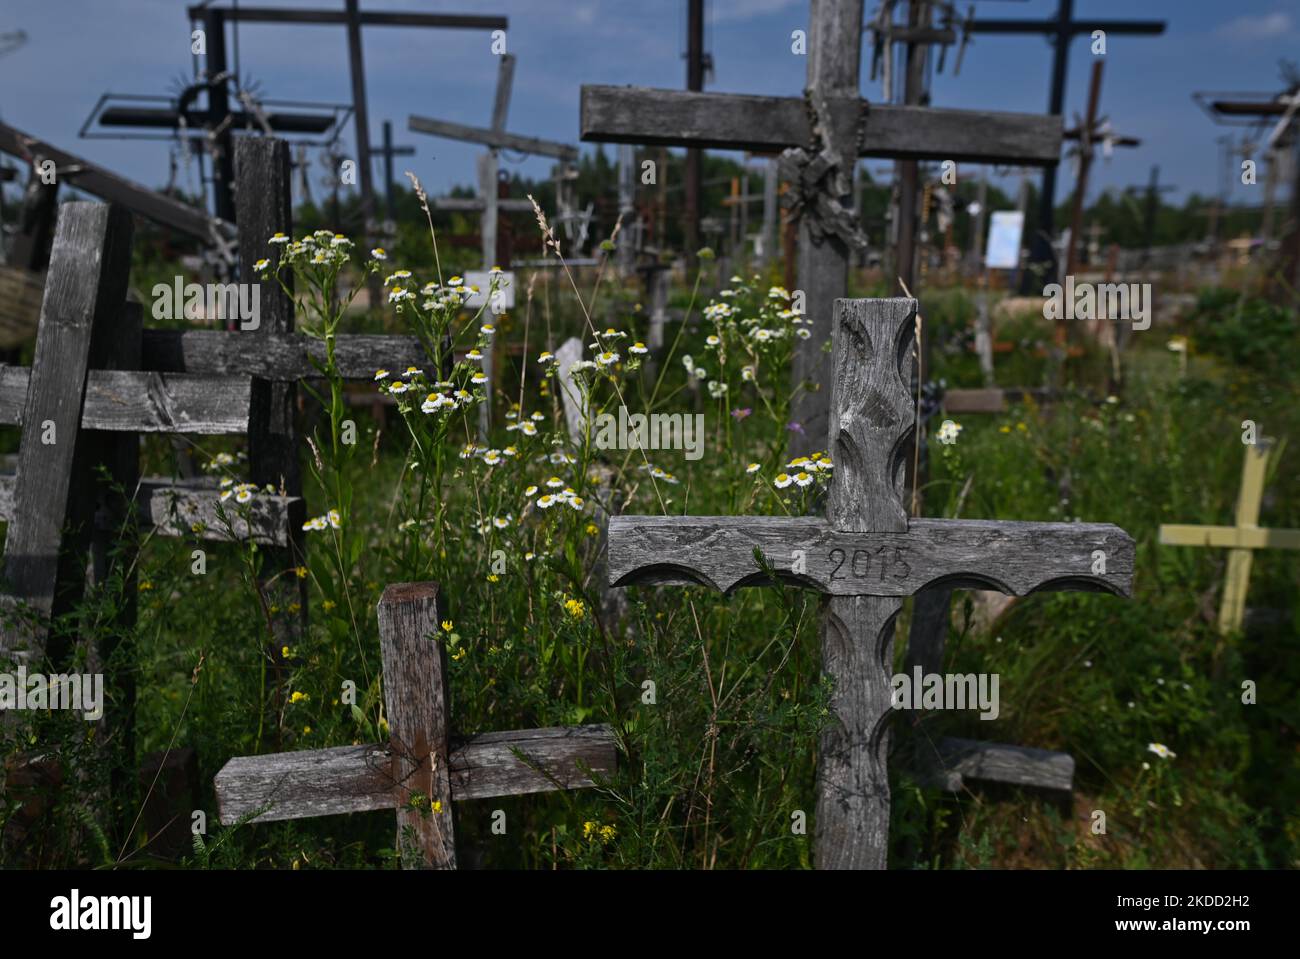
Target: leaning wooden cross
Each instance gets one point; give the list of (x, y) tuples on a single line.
[(823, 133), (1241, 539), (419, 772), (866, 556)]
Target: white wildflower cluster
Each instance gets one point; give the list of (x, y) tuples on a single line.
[(948, 432), (748, 327), (331, 520), (814, 468), (524, 424), (562, 495), (223, 461), (485, 526), (656, 473), (321, 248), (241, 492)]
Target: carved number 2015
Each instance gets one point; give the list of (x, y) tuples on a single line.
[(888, 559)]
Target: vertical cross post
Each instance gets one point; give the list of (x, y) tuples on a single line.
[(870, 421), (46, 547), (834, 52), (415, 693), (273, 443)]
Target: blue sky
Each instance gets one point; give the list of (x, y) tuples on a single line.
[(80, 48)]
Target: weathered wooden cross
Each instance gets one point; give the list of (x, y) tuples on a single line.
[(829, 128), (866, 556), (420, 771), (1241, 539)]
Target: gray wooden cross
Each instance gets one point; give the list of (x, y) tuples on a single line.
[(420, 771), (832, 125), (866, 556)]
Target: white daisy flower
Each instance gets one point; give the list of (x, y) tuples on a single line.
[(530, 491), (1161, 750), (803, 479), (478, 379), (278, 239), (555, 482), (752, 468), (547, 501), (712, 340), (492, 457), (783, 480), (528, 429), (397, 386), (607, 358), (638, 347)]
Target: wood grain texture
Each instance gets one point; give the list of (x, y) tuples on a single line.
[(277, 356), (1010, 557), (871, 413), (322, 782), (415, 694), (84, 290), (962, 759), (264, 208), (765, 124), (192, 221), (135, 402), (852, 774), (181, 511)]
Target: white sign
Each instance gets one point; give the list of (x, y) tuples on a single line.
[(1003, 249), (504, 297)]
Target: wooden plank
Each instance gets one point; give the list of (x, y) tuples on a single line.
[(1229, 537), (358, 778), (274, 355), (283, 15), (134, 402), (730, 121), (533, 146), (263, 208), (870, 417), (95, 180), (459, 204), (415, 693), (962, 759), (84, 291), (1010, 557), (974, 401), (822, 262), (188, 512)]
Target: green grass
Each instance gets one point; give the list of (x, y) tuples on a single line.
[(712, 772)]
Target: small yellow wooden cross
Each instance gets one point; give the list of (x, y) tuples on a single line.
[(1240, 539)]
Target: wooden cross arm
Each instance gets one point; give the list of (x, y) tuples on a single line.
[(761, 124), (1230, 537), (534, 146), (1011, 557), (195, 512), (345, 779)]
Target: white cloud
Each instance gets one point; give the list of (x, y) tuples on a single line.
[(1266, 26)]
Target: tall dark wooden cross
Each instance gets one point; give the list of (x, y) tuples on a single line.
[(215, 18), (1060, 29), (866, 556), (822, 135)]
